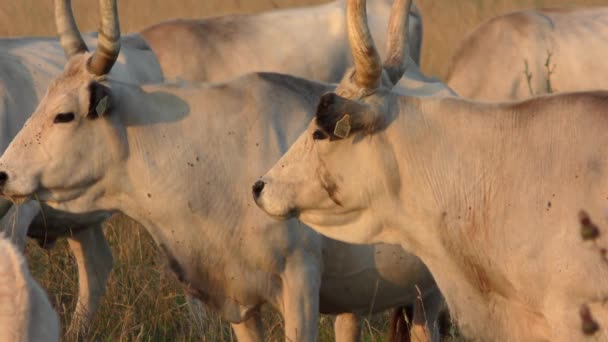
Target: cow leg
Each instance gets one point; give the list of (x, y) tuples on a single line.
[(251, 330), (301, 283), (94, 259), (419, 330), (347, 328), (432, 304)]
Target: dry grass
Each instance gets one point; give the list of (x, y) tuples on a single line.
[(143, 301)]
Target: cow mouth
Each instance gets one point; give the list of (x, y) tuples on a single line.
[(281, 213), (291, 213), (20, 198), (20, 192)]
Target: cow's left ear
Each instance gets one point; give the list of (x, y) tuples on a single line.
[(340, 117), (99, 100)]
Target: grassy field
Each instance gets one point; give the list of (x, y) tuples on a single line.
[(143, 301)]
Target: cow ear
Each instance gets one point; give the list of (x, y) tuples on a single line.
[(99, 100), (340, 117)]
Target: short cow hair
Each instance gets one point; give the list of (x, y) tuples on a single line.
[(333, 107)]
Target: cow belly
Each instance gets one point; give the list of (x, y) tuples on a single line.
[(361, 294), (370, 278)]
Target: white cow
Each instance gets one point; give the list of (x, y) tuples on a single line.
[(25, 311), (27, 66), (490, 63), (309, 42), (486, 194), (175, 158)]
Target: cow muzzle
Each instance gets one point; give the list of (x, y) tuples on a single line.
[(257, 188), (3, 178), (271, 202), (9, 185)]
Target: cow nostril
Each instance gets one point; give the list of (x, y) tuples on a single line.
[(3, 178), (257, 188)]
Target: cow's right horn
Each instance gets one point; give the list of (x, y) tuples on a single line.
[(108, 40), (397, 47), (69, 36), (368, 68)]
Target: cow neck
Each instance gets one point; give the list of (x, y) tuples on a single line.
[(196, 221), (457, 184), (160, 155)]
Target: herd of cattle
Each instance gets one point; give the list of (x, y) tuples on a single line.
[(174, 126)]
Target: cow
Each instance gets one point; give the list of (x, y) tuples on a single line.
[(529, 53), (174, 158), (222, 48), (486, 194), (27, 314), (27, 67), (173, 49)]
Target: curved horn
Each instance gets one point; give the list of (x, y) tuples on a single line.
[(108, 40), (368, 68), (397, 45), (69, 36)]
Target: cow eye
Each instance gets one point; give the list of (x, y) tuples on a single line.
[(319, 135), (63, 117)]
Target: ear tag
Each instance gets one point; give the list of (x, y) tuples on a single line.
[(102, 106), (342, 128)]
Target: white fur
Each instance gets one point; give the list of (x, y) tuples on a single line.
[(29, 65), (490, 62), (25, 311), (309, 42), (487, 195), (174, 157)]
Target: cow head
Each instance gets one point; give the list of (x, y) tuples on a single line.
[(330, 175), (69, 127)]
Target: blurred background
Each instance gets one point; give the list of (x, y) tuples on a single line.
[(143, 301)]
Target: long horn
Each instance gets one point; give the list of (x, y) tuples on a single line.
[(108, 40), (368, 68), (69, 36), (397, 45)]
